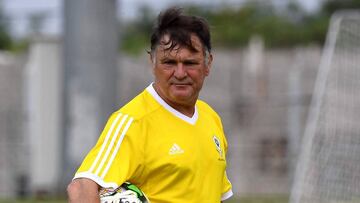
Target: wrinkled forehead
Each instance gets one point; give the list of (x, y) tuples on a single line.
[(167, 44)]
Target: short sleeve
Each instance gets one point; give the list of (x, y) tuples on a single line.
[(118, 154), (226, 187)]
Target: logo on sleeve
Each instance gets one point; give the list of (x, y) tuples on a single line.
[(218, 145)]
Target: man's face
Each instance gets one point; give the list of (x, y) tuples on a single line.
[(180, 72)]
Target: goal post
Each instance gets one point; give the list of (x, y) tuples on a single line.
[(328, 169)]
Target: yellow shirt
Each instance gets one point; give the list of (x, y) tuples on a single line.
[(169, 156)]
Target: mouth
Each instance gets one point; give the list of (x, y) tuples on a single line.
[(181, 84)]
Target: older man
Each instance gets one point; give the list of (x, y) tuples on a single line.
[(165, 141)]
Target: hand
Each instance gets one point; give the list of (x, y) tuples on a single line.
[(129, 197), (121, 197)]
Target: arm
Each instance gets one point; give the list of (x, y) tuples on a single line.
[(83, 190)]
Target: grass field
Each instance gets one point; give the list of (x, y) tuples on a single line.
[(241, 200)]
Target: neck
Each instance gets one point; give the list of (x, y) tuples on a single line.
[(187, 111), (184, 108)]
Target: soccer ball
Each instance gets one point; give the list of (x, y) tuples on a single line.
[(126, 193)]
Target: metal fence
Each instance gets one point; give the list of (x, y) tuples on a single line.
[(262, 96)]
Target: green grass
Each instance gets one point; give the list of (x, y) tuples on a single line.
[(232, 200), (32, 201)]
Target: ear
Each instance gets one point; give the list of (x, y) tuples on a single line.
[(152, 61), (208, 65)]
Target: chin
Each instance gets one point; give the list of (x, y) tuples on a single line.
[(180, 97), (182, 93), (183, 98)]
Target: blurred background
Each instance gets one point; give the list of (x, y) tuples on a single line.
[(65, 65)]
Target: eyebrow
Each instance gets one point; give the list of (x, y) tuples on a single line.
[(167, 58)]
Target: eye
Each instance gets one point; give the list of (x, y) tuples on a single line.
[(191, 63), (169, 62)]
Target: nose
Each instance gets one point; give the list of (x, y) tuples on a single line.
[(180, 71)]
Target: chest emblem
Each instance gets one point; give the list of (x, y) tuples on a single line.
[(175, 149), (217, 145)]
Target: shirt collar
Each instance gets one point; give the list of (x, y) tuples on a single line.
[(192, 120)]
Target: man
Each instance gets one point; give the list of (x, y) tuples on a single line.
[(165, 141)]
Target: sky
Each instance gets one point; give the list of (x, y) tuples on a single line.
[(19, 10)]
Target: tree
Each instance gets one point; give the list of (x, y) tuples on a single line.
[(5, 37), (330, 6)]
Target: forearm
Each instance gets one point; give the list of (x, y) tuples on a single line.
[(83, 191)]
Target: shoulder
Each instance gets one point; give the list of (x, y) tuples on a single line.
[(139, 107), (130, 119), (206, 109)]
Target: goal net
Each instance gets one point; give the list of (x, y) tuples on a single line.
[(328, 169)]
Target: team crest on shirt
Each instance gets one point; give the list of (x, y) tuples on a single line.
[(218, 145)]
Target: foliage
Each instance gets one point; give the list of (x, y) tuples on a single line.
[(136, 34), (20, 45), (233, 27), (5, 37), (32, 201), (330, 6)]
